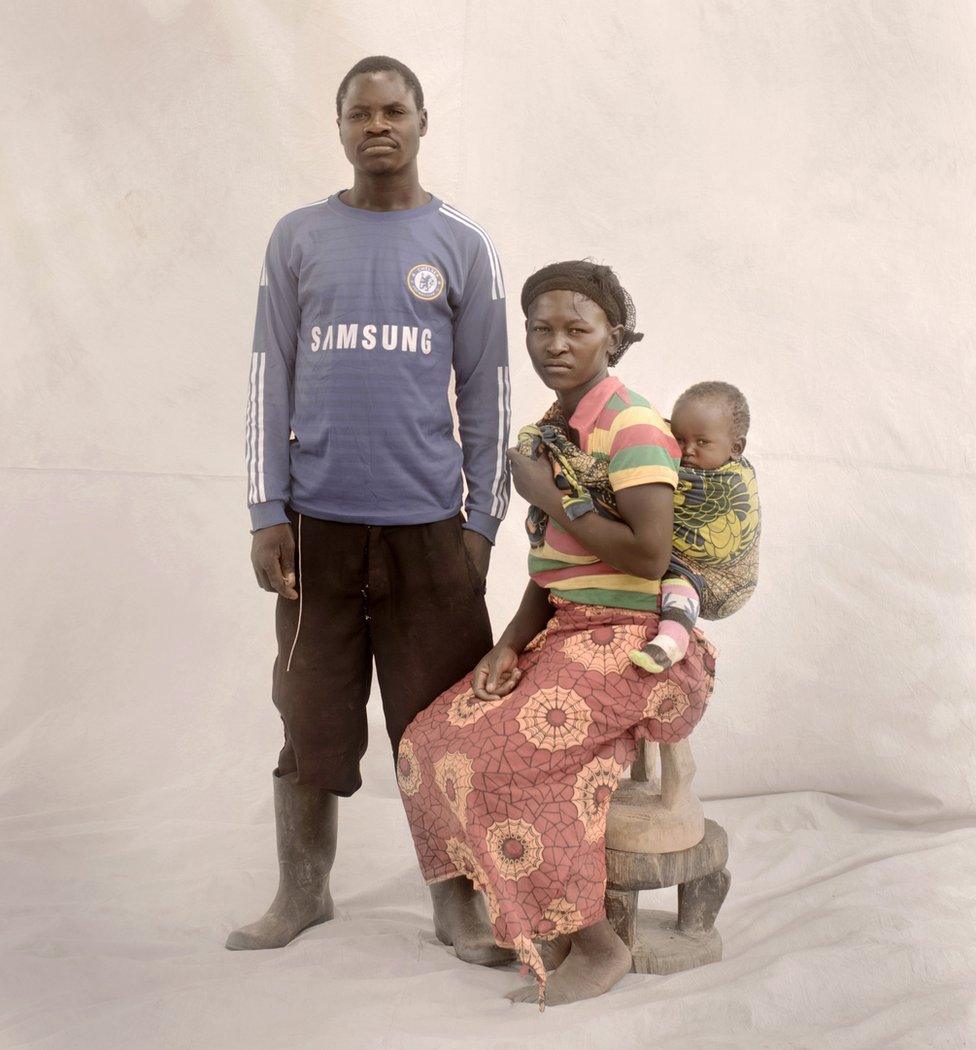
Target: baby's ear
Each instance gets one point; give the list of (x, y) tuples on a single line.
[(738, 447)]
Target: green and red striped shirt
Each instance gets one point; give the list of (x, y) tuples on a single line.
[(619, 426)]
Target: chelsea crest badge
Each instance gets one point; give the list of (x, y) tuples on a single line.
[(425, 281)]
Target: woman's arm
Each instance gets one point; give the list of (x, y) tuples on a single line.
[(531, 616), (640, 545)]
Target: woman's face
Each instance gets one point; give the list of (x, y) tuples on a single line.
[(569, 340)]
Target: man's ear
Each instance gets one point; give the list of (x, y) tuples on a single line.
[(738, 447), (423, 122)]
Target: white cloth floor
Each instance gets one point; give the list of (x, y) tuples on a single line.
[(844, 927)]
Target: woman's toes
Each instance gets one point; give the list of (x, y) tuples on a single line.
[(527, 994), (485, 954)]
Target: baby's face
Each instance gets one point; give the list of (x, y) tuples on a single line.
[(703, 429)]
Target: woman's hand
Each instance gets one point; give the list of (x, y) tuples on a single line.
[(534, 481), (497, 673)]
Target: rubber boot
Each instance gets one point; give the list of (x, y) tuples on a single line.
[(461, 920), (306, 819)]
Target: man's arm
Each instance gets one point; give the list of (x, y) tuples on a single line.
[(482, 391), (269, 417)]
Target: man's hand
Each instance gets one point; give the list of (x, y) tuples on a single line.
[(534, 482), (273, 558), (478, 549)]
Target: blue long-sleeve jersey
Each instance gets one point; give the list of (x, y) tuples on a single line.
[(361, 317)]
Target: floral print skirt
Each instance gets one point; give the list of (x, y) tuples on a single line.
[(514, 793)]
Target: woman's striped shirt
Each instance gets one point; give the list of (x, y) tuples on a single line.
[(619, 426)]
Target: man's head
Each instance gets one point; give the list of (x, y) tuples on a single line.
[(710, 422), (381, 116)]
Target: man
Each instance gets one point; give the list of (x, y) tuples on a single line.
[(368, 299)]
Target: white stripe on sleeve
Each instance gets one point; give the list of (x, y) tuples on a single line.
[(503, 491), (260, 451), (497, 285), (499, 502), (251, 416)]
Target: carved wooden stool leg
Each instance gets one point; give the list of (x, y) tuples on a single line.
[(647, 818), (645, 767), (657, 836), (700, 899), (621, 907), (661, 941), (677, 773)]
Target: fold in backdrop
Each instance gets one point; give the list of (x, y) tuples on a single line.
[(787, 192)]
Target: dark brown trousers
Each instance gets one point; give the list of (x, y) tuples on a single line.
[(406, 596)]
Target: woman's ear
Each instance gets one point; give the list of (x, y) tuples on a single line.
[(616, 338)]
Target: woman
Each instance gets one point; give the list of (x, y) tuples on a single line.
[(507, 777)]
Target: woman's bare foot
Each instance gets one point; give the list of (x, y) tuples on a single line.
[(461, 920), (597, 960), (555, 951)]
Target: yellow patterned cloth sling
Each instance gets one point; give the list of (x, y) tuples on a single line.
[(583, 480), (717, 520), (717, 523)]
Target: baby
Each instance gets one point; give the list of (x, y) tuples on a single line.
[(716, 521)]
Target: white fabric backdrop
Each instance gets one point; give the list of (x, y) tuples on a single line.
[(786, 190)]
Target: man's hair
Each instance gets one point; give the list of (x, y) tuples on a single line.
[(381, 64), (714, 390)]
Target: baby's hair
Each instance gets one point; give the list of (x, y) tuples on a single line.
[(715, 390)]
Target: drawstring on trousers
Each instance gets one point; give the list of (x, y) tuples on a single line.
[(301, 594)]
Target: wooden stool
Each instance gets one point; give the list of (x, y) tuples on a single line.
[(657, 836)]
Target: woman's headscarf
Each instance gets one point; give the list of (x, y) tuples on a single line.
[(596, 282)]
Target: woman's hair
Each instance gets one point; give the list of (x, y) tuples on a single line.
[(715, 390), (381, 64), (594, 281)]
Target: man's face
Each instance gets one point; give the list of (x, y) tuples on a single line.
[(380, 126)]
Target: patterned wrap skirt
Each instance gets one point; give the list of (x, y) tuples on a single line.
[(514, 793)]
